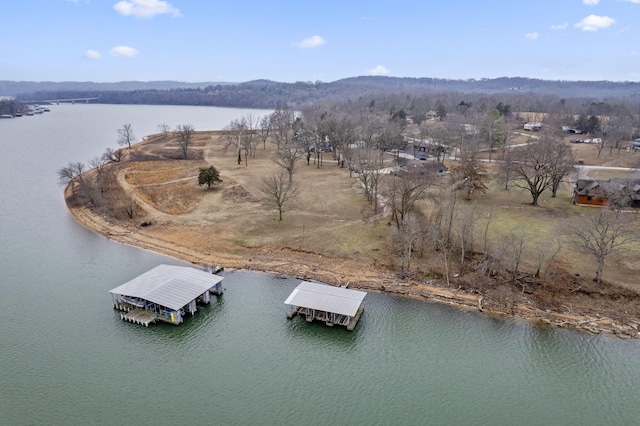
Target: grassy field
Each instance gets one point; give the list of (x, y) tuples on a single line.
[(331, 217), (332, 234)]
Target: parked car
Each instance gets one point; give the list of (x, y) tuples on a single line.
[(576, 140)]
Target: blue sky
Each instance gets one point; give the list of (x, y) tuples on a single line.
[(305, 40)]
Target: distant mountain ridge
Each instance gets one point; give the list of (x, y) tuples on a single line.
[(505, 84), (268, 93), (13, 88)]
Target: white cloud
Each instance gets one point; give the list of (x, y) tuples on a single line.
[(145, 8), (632, 1), (124, 51), (531, 36), (311, 42), (92, 54), (591, 2), (379, 70), (595, 22), (560, 26)]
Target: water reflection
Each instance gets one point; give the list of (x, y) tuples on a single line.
[(67, 357), (318, 334)]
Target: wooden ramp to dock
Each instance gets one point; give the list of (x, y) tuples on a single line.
[(139, 316)]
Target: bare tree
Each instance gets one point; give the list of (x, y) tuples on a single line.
[(265, 130), (623, 126), (112, 155), (71, 173), (600, 146), (620, 193), (545, 251), (465, 222), (368, 127), (368, 172), (389, 137), (440, 228), (492, 130), (184, 132), (506, 167), (98, 165), (611, 128), (126, 135), (288, 155), (340, 135), (439, 232), (277, 191), (485, 233), (124, 203), (515, 244), (241, 134), (74, 174), (536, 168), (561, 165), (405, 189), (164, 128), (486, 265), (507, 133), (407, 240), (600, 235), (250, 136), (281, 122), (235, 131), (437, 138), (312, 130)]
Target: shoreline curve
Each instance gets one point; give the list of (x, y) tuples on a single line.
[(288, 265)]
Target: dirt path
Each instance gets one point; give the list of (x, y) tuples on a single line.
[(311, 266), (204, 236)]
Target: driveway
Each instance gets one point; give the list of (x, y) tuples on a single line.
[(581, 171)]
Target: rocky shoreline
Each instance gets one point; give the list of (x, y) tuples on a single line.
[(312, 266)]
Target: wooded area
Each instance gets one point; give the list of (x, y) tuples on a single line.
[(468, 196), (516, 92)]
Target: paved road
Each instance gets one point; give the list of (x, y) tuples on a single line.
[(581, 171)]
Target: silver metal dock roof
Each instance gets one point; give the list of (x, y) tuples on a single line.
[(168, 285), (326, 298)]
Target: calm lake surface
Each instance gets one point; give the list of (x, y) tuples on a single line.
[(66, 358)]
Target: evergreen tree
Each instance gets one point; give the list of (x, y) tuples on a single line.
[(209, 176)]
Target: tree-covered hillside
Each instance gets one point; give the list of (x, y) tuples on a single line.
[(270, 94)]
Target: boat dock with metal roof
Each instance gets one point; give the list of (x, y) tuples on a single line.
[(322, 302), (165, 293)]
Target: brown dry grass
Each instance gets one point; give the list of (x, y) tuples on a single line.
[(588, 154), (330, 216), (330, 233)]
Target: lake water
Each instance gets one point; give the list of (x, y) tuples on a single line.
[(66, 358)]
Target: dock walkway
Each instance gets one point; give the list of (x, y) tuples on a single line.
[(139, 316), (165, 293)]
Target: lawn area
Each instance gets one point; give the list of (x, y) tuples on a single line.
[(331, 217)]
